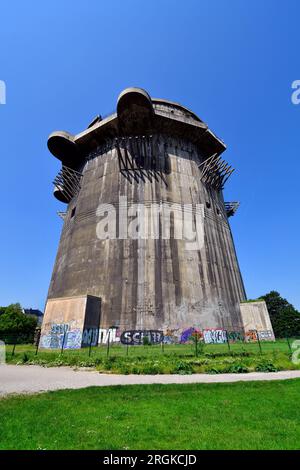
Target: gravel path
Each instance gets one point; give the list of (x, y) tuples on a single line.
[(32, 379)]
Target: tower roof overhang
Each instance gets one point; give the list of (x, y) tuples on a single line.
[(137, 113)]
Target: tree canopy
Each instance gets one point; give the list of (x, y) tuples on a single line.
[(15, 325), (284, 317)]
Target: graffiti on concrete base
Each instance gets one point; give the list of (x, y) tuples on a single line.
[(251, 335), (90, 337), (171, 336), (262, 335), (136, 337), (108, 334), (56, 336), (186, 334), (190, 334), (234, 336), (265, 335), (215, 336), (60, 336), (73, 339)]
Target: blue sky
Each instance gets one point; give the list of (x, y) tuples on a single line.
[(231, 62)]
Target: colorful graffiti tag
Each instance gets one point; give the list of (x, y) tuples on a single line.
[(60, 336), (171, 336), (265, 335), (90, 337), (215, 336), (251, 335), (186, 334), (111, 334), (190, 334), (234, 336), (73, 339), (135, 337)]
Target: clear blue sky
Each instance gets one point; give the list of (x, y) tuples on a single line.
[(232, 62)]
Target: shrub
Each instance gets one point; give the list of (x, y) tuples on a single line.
[(25, 358), (266, 366), (124, 369), (15, 327), (183, 368), (213, 370), (150, 369), (237, 369)]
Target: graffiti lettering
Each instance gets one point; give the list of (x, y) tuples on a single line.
[(265, 335), (186, 335), (214, 336), (251, 335), (189, 335), (235, 336), (73, 339), (60, 333), (90, 337), (135, 337), (171, 336), (111, 333)]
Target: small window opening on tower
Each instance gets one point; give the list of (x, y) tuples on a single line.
[(208, 205), (73, 212)]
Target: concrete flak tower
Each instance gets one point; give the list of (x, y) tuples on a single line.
[(146, 244)]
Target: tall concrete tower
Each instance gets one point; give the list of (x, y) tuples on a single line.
[(111, 271)]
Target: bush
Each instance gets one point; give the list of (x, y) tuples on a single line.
[(237, 369), (183, 368), (25, 358), (151, 369), (15, 327), (213, 370), (266, 366)]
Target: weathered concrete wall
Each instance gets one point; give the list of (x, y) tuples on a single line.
[(72, 321), (255, 318), (150, 284), (146, 283)]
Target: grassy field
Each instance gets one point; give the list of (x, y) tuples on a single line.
[(174, 359), (280, 345), (251, 415)]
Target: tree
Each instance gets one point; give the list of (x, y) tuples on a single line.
[(284, 317), (14, 325), (12, 308)]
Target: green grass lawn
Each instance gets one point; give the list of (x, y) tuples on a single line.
[(176, 358), (279, 345), (253, 415)]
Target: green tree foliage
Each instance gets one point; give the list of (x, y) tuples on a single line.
[(12, 308), (284, 317), (15, 325)]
